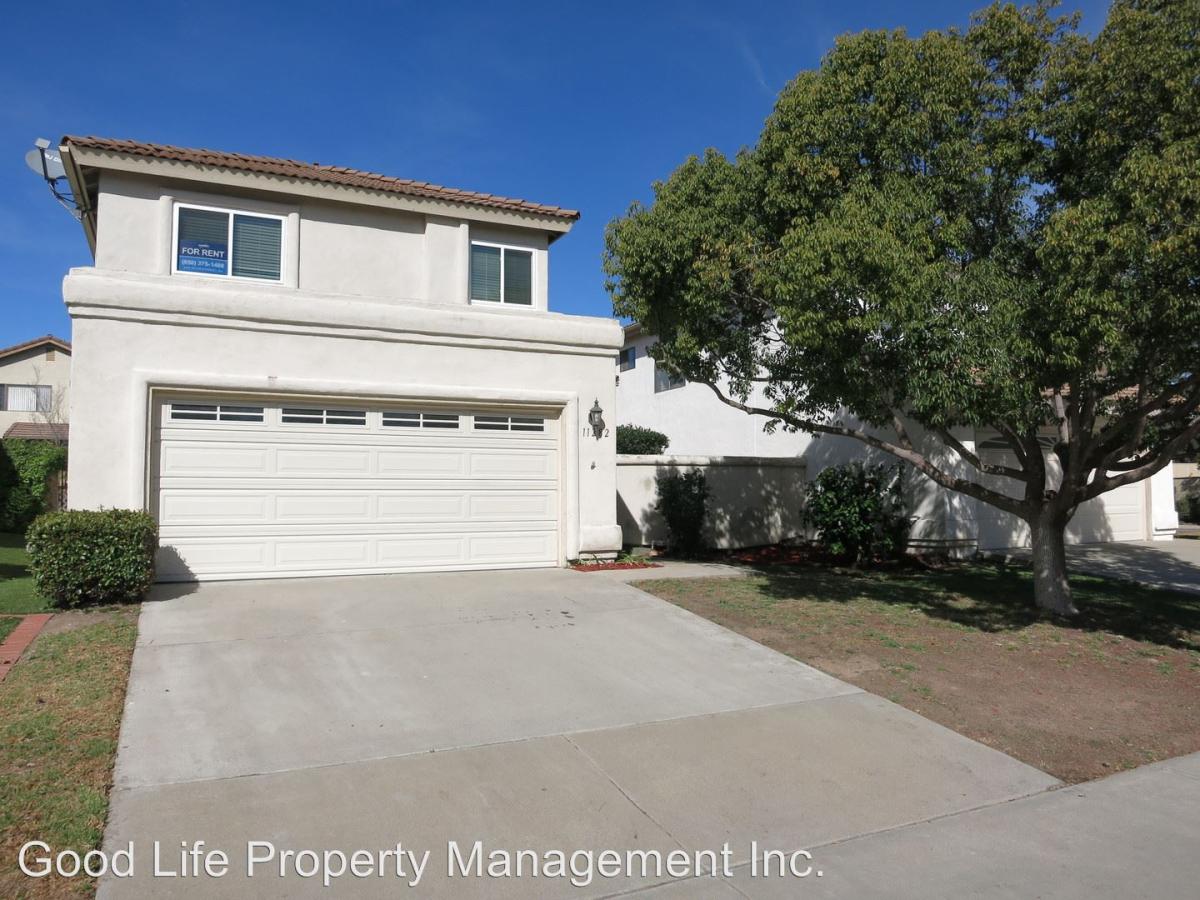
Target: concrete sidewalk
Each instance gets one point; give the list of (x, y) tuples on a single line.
[(1135, 834)]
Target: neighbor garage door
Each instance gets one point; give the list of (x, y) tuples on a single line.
[(1119, 515), (249, 489)]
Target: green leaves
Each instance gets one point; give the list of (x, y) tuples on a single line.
[(952, 225)]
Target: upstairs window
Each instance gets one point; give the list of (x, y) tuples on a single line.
[(627, 358), (225, 243), (666, 381), (501, 274), (26, 397)]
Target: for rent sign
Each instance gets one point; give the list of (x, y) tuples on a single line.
[(209, 257)]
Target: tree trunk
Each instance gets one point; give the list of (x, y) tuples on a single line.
[(1051, 589)]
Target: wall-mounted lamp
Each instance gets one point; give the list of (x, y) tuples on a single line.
[(596, 419)]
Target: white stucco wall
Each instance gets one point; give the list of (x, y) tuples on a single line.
[(135, 333), (752, 501), (388, 255), (33, 367), (697, 423)]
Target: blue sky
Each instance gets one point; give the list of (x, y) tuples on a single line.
[(578, 104)]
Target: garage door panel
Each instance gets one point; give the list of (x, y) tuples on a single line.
[(529, 464), (269, 499), (415, 507), (323, 507), (218, 508), (214, 460), (516, 547), (422, 463), (301, 554), (512, 506), (423, 550), (322, 461)]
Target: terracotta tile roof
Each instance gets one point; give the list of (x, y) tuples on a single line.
[(38, 431), (58, 343), (291, 168)]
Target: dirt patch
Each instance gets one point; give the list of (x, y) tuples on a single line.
[(74, 619), (1078, 700)]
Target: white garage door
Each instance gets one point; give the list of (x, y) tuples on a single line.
[(249, 490), (1119, 515)]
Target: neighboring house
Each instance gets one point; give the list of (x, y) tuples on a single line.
[(698, 423), (35, 377), (303, 369)]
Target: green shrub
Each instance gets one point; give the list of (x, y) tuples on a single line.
[(638, 441), (1191, 509), (25, 470), (682, 502), (81, 557), (858, 512)]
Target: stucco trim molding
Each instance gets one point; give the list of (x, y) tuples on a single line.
[(94, 293), (756, 462)]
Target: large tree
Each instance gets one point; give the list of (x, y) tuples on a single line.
[(994, 229)]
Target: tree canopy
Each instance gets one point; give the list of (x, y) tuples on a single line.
[(996, 227)]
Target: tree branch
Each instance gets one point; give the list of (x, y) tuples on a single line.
[(987, 468), (915, 459), (1166, 453)]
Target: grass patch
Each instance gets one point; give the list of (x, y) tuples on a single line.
[(16, 584), (60, 712), (1114, 688), (8, 624)]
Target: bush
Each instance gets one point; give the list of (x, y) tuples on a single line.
[(1191, 509), (682, 502), (83, 557), (638, 441), (25, 470), (858, 512)]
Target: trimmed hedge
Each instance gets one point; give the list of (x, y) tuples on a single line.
[(84, 557), (25, 470), (637, 440)]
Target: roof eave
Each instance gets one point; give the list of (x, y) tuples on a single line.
[(84, 157)]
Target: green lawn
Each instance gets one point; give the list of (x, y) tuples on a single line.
[(16, 585), (60, 710)]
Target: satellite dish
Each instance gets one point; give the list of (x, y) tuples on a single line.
[(45, 162)]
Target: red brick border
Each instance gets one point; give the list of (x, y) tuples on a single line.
[(20, 638)]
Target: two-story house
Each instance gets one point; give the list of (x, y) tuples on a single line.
[(304, 369), (35, 380)]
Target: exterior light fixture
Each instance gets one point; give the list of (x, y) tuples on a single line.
[(596, 419)]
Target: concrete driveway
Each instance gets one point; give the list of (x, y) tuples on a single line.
[(1171, 564), (544, 710)]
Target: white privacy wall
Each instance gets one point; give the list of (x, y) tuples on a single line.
[(752, 501)]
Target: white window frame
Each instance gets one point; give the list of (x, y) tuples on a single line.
[(282, 220), (533, 296)]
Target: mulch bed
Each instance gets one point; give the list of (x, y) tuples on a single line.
[(611, 566)]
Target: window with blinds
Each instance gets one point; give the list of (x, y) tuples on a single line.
[(26, 397), (501, 274), (226, 242)]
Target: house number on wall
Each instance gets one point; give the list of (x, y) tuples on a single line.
[(586, 431)]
